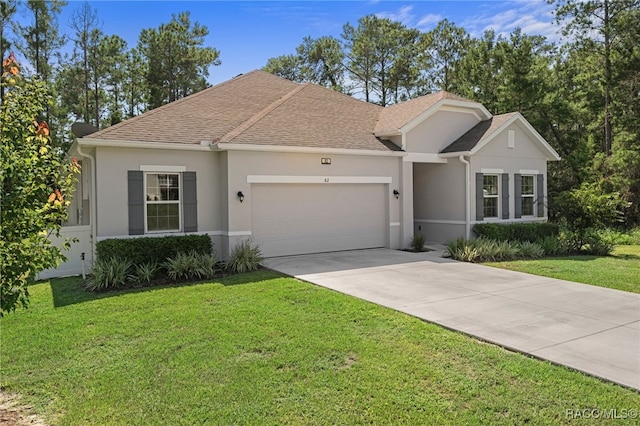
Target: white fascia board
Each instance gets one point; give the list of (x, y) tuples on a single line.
[(111, 143), (551, 154), (165, 169), (318, 179), (454, 154), (306, 150), (415, 157)]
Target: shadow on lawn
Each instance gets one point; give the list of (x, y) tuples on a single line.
[(70, 290)]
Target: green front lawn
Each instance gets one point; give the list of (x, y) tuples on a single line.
[(620, 271), (263, 349)]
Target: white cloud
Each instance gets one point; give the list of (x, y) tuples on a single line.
[(533, 17), (404, 15), (429, 21)]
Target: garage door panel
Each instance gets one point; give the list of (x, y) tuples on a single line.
[(308, 218)]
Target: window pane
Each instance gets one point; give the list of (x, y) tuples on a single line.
[(163, 217), (153, 191), (527, 185), (527, 206), (490, 207), (490, 185)]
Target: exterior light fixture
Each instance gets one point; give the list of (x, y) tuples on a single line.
[(240, 196), (396, 193), (325, 161)]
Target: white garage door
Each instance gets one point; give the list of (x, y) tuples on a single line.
[(314, 218)]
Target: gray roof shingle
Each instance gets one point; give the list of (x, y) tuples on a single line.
[(477, 134)]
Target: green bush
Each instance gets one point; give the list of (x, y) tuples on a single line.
[(617, 237), (417, 242), (245, 257), (107, 274), (521, 232), (191, 265), (149, 250)]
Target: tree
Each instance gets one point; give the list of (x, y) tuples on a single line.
[(378, 53), (318, 61), (41, 38), (597, 25), (36, 183), (445, 46), (7, 10), (178, 64)]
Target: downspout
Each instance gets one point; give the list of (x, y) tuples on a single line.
[(93, 204), (467, 193)]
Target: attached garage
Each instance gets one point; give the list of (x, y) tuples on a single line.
[(290, 218)]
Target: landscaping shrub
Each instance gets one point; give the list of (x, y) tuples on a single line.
[(190, 266), (617, 237), (144, 273), (530, 250), (521, 232), (245, 257), (146, 249), (417, 242), (107, 274)]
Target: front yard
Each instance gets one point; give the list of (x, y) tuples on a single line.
[(260, 348), (620, 271)]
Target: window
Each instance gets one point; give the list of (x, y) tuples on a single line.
[(490, 195), (527, 193), (162, 202)]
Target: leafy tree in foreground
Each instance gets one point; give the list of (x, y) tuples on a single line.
[(36, 185)]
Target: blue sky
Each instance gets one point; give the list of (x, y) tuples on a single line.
[(248, 33)]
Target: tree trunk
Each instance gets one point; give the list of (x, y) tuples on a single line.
[(607, 81)]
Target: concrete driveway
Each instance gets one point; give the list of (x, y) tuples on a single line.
[(592, 329)]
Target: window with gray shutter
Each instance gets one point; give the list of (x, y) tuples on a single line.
[(505, 195), (517, 196), (135, 190), (190, 202), (479, 196)]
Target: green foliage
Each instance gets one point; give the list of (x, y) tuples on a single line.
[(245, 257), (531, 232), (144, 272), (487, 250), (586, 209), (190, 265), (417, 242), (616, 237), (36, 183), (178, 63), (152, 250), (108, 274)]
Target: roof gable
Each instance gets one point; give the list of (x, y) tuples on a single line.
[(482, 133), (406, 115)]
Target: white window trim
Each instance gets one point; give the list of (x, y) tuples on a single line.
[(498, 196), (162, 169), (532, 196), (180, 189)]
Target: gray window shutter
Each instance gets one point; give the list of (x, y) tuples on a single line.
[(505, 195), (517, 194), (479, 196), (135, 189), (189, 202), (540, 195)]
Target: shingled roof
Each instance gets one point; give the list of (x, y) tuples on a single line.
[(259, 108), (477, 134)]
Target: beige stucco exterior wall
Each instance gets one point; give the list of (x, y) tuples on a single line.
[(244, 163), (524, 156), (112, 165), (439, 131), (439, 200)]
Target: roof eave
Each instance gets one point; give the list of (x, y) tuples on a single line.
[(117, 143)]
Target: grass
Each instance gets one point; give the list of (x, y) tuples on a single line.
[(264, 349), (619, 271)]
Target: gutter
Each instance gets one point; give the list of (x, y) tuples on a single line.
[(93, 203), (467, 193)]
